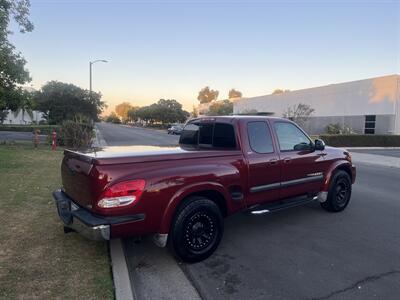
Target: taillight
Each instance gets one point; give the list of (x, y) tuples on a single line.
[(121, 194)]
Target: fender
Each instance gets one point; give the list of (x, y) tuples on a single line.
[(333, 167), (182, 194)]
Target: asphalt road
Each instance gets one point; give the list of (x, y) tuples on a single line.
[(19, 136), (301, 253), (122, 135), (307, 253)]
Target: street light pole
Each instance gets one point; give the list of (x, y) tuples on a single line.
[(91, 63)]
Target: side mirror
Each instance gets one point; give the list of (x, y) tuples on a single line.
[(319, 144)]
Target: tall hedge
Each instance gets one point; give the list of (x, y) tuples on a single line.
[(361, 140), (44, 129)]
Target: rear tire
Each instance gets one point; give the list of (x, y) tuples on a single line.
[(197, 230), (339, 192)]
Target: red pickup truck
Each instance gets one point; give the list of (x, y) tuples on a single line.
[(223, 165)]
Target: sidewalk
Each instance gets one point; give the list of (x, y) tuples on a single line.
[(98, 140), (375, 159)]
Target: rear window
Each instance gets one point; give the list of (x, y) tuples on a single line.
[(206, 134), (224, 136), (218, 135)]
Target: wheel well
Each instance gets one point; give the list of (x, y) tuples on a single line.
[(346, 169), (214, 196)]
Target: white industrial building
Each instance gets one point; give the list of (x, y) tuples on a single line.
[(22, 117), (369, 106)]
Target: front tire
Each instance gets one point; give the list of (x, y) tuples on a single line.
[(197, 230), (339, 192)]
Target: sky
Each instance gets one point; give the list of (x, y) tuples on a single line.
[(172, 49)]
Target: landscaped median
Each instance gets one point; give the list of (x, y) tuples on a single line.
[(37, 260)]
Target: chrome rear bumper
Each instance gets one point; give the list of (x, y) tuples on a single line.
[(91, 226)]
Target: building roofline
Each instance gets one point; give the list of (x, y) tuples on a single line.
[(320, 86)]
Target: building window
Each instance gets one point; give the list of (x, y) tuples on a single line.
[(369, 127)]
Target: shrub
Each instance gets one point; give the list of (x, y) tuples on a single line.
[(338, 129), (77, 133), (361, 140), (332, 129), (44, 129)]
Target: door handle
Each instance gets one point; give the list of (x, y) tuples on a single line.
[(273, 161), (287, 160)]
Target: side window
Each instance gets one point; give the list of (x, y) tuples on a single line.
[(189, 135), (260, 137), (224, 136), (291, 138)]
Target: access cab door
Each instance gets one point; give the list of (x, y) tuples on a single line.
[(302, 167), (263, 163)]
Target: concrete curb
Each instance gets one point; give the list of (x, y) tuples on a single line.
[(372, 148), (122, 282)]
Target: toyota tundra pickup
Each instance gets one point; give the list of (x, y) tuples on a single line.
[(180, 195)]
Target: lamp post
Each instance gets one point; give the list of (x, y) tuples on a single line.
[(91, 63)]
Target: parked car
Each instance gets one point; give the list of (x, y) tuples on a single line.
[(181, 195), (175, 129)]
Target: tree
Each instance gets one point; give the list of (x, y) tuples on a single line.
[(113, 118), (164, 112), (279, 91), (298, 113), (206, 95), (3, 116), (220, 108), (26, 105), (194, 113), (122, 110), (132, 117), (12, 64), (63, 101), (235, 94)]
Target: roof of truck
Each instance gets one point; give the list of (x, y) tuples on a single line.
[(234, 117)]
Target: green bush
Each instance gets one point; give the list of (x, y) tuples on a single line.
[(77, 133), (337, 128), (361, 140), (44, 129)]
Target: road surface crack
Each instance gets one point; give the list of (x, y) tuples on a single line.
[(358, 283)]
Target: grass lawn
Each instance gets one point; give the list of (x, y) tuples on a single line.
[(37, 260)]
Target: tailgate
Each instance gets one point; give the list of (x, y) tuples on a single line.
[(76, 179)]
